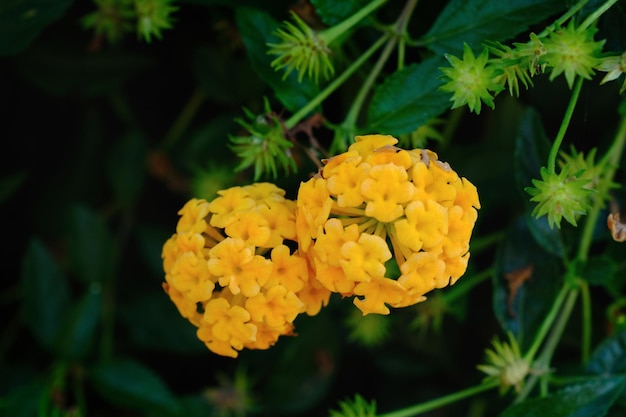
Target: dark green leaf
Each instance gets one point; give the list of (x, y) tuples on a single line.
[(256, 28), (127, 167), (521, 311), (587, 399), (23, 400), (531, 149), (474, 21), (548, 238), (408, 99), (531, 153), (79, 329), (602, 270), (45, 294), (154, 324), (21, 21), (610, 356), (91, 245), (334, 12), (128, 383)]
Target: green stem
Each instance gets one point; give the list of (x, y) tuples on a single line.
[(402, 25), (596, 14), (570, 12), (586, 322), (467, 284), (441, 401), (554, 151), (551, 344), (610, 159), (358, 101), (334, 32), (547, 323), (335, 84)]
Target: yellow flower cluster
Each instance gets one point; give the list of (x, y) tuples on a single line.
[(386, 225), (379, 223), (232, 269)]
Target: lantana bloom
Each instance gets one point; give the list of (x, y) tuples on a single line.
[(232, 269), (385, 225)]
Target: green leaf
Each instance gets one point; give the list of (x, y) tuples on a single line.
[(610, 356), (587, 399), (256, 28), (602, 270), (23, 400), (127, 383), (333, 12), (79, 328), (127, 167), (21, 21), (91, 246), (474, 21), (45, 294), (531, 149), (531, 153), (408, 99), (522, 311)]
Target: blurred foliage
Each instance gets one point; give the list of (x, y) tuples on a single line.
[(116, 112)]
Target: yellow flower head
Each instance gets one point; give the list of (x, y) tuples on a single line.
[(232, 270), (377, 205)]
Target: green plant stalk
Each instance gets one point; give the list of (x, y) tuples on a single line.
[(335, 84), (357, 104), (467, 284), (358, 101), (554, 151), (611, 158), (586, 322), (402, 25), (547, 323), (332, 33), (596, 14), (417, 409), (551, 343), (570, 12)]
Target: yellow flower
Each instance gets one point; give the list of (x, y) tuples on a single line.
[(231, 271), (224, 324), (375, 205)]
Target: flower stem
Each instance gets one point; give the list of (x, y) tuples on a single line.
[(552, 341), (547, 323), (570, 12), (596, 14), (377, 68), (441, 401), (467, 284), (334, 32), (586, 322), (611, 158), (335, 84), (554, 151)]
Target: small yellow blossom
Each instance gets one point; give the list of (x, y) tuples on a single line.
[(230, 270), (375, 205)]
